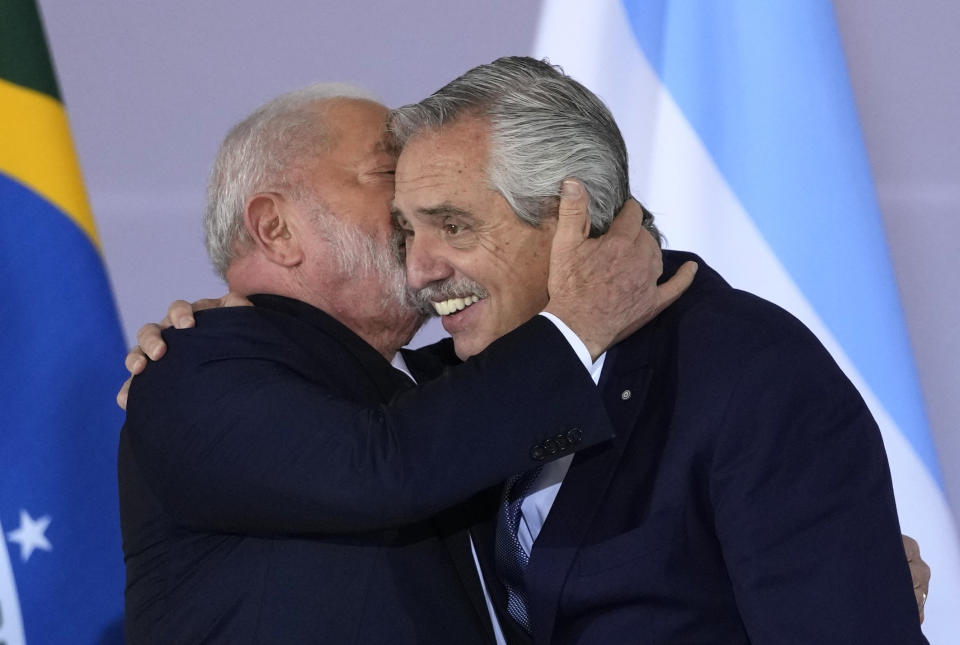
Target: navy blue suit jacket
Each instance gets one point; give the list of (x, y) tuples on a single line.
[(269, 493), (745, 499)]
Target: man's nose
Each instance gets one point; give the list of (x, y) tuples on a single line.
[(425, 262)]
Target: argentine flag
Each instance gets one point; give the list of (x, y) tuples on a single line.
[(61, 353), (744, 140)]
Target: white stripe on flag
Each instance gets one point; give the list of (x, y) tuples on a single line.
[(11, 622), (674, 175)]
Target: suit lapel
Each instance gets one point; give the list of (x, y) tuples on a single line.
[(624, 383)]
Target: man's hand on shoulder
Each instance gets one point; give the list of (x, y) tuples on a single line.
[(150, 343), (605, 288)]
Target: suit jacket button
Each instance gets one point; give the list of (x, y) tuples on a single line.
[(626, 394), (550, 446), (562, 442), (537, 453), (574, 435)]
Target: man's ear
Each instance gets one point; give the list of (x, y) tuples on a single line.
[(268, 220)]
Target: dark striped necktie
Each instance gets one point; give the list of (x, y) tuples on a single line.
[(511, 559)]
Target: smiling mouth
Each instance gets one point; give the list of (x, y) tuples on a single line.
[(454, 305)]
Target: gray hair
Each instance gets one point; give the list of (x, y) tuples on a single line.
[(266, 151), (545, 127)]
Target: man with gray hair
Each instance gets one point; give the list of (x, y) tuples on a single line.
[(277, 467), (746, 497)]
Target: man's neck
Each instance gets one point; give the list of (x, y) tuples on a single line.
[(386, 333), (359, 303), (385, 328)]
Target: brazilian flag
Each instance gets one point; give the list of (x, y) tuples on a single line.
[(61, 351)]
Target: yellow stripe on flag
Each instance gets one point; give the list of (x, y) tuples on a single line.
[(36, 150)]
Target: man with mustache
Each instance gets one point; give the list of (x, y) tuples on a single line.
[(746, 497), (277, 474)]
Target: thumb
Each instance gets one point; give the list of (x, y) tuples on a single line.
[(573, 221)]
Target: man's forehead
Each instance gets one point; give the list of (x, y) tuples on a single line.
[(441, 156), (464, 134), (420, 166), (359, 121)]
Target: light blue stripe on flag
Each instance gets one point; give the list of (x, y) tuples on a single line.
[(764, 85)]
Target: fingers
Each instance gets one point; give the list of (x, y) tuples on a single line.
[(667, 294), (136, 361), (180, 314), (573, 220), (150, 341), (123, 393), (669, 291), (629, 221), (919, 572), (911, 547)]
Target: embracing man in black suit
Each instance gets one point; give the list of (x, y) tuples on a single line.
[(277, 473), (744, 499)]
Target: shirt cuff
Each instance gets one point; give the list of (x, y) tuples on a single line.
[(576, 344)]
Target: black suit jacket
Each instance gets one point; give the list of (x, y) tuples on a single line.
[(275, 473), (745, 499)]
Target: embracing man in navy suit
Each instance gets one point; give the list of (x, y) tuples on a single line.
[(744, 499)]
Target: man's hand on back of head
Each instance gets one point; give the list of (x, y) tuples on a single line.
[(605, 288)]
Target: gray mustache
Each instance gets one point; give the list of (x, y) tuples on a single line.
[(424, 298)]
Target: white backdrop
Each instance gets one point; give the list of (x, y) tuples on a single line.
[(151, 88)]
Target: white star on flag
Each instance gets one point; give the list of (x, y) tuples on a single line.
[(30, 536)]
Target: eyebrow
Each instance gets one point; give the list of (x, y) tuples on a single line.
[(446, 210), (437, 212)]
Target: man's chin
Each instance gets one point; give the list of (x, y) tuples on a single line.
[(462, 352), (467, 345)]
